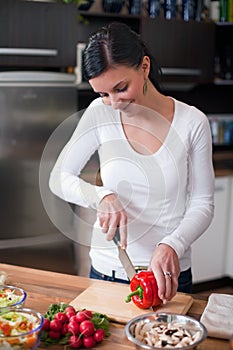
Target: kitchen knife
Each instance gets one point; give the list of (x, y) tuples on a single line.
[(123, 256)]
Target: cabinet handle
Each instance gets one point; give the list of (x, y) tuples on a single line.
[(28, 52), (181, 71)]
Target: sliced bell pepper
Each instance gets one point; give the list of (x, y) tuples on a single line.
[(144, 290)]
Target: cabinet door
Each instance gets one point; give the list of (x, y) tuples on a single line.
[(208, 252), (37, 34), (183, 50), (224, 51)]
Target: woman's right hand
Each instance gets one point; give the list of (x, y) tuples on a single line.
[(112, 215)]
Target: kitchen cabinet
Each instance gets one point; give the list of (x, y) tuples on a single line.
[(224, 53), (184, 50), (92, 21), (37, 34), (209, 251)]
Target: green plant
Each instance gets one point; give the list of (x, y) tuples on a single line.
[(76, 2)]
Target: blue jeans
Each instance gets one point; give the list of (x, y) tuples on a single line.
[(185, 279)]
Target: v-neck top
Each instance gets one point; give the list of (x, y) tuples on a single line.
[(167, 195)]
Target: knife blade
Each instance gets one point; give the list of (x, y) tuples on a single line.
[(123, 256)]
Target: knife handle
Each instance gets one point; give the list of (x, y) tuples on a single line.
[(117, 237)]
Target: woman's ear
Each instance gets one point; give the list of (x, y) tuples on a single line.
[(146, 66)]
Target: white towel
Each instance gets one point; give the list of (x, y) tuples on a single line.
[(218, 316), (3, 277)]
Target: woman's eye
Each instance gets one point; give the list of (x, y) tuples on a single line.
[(124, 88)]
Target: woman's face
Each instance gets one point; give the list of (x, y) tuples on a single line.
[(121, 86)]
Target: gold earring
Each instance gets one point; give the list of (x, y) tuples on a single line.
[(145, 88)]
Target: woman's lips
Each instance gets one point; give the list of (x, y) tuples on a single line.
[(125, 107)]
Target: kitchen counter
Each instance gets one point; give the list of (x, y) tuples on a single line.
[(223, 163), (45, 287)]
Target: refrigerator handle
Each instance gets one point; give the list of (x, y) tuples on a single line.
[(27, 52)]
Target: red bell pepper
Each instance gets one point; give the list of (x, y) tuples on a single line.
[(144, 290)]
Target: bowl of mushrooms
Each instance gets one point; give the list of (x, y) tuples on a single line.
[(163, 330)]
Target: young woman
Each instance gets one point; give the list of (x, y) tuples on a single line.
[(155, 158)]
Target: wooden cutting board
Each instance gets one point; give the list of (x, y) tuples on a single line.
[(109, 298)]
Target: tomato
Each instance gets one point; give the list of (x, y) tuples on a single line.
[(60, 316), (46, 325), (55, 325), (6, 329), (75, 342), (73, 328), (99, 335), (31, 341), (54, 334), (83, 315), (23, 325), (89, 342), (86, 328)]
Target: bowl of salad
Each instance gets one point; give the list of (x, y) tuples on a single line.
[(20, 329), (11, 296)]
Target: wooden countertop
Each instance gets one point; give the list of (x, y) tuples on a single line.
[(221, 168), (44, 288), (222, 161)]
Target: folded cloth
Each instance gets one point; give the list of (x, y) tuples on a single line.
[(3, 277), (218, 316)]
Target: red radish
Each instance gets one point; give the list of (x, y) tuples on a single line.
[(55, 325), (64, 330), (89, 342), (46, 325), (88, 313), (75, 342), (99, 335), (73, 328), (83, 315), (73, 319), (60, 316), (70, 308), (70, 314), (86, 328), (54, 334)]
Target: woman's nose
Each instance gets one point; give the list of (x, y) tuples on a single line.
[(115, 101)]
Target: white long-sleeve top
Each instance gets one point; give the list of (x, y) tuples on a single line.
[(168, 195)]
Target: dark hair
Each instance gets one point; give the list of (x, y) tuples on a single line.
[(113, 45)]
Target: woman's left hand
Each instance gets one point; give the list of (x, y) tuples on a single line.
[(165, 266)]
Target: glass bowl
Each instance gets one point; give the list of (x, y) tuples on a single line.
[(20, 329), (12, 296), (164, 330)]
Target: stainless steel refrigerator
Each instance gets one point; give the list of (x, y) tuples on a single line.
[(32, 105)]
